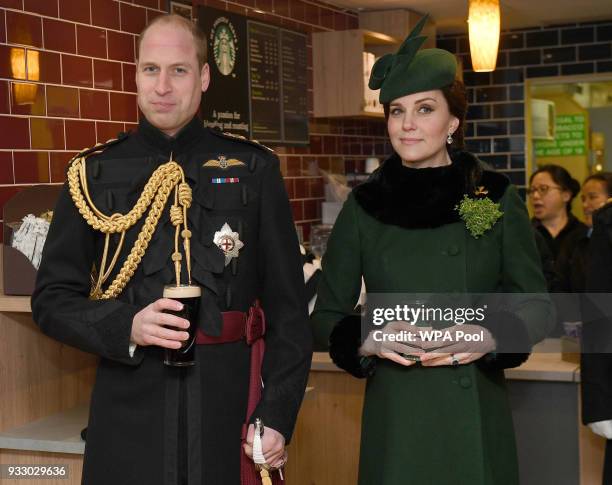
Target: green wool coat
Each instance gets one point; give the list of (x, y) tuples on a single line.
[(436, 425)]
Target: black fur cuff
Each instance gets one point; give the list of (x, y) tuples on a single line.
[(344, 343), (513, 343)]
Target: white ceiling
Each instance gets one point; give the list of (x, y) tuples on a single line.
[(450, 15)]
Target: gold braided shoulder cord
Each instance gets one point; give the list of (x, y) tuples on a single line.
[(165, 178)]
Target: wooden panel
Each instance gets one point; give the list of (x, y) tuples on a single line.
[(338, 73), (325, 447), (397, 23), (74, 464), (38, 375)]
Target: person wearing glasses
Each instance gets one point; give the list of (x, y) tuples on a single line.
[(551, 191), (417, 225)]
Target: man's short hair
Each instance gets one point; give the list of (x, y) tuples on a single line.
[(199, 38)]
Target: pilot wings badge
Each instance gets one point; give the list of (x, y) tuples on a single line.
[(223, 163)]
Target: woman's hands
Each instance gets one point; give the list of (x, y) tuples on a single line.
[(460, 344), (469, 343), (391, 341)]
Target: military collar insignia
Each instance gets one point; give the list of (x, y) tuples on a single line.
[(224, 163), (229, 242)]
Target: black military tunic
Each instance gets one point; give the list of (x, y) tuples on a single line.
[(136, 408)]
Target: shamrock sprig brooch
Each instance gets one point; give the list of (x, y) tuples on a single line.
[(479, 214)]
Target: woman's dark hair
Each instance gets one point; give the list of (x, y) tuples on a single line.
[(562, 178), (457, 105), (603, 177)]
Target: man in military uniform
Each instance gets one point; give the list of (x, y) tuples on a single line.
[(151, 423)]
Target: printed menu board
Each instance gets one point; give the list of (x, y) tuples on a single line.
[(258, 82)]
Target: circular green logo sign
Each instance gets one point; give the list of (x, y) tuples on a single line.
[(223, 40)]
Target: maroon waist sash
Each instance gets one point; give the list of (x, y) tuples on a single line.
[(250, 326)]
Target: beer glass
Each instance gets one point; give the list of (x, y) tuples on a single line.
[(189, 296)]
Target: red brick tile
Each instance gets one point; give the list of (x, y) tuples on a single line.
[(105, 13), (80, 134), (75, 10), (91, 41), (123, 107), (27, 99), (7, 193), (301, 190), (281, 7), (340, 21), (293, 166), (133, 19), (327, 18), (265, 5), (107, 131), (289, 187), (46, 7), (77, 70), (12, 62), (6, 168), (58, 162), (107, 75), (312, 209), (316, 187), (151, 14), (23, 29), (16, 4), (129, 78), (47, 134), (4, 97), (15, 132), (120, 46), (49, 66), (297, 10), (94, 104), (131, 127), (237, 9), (297, 208), (62, 101), (312, 14), (59, 35), (147, 3), (2, 26), (31, 167)]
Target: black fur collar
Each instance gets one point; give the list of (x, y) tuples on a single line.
[(426, 197)]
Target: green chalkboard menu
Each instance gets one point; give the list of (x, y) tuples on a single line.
[(258, 85), (570, 138)]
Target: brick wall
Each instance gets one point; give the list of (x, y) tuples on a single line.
[(496, 127), (85, 91)]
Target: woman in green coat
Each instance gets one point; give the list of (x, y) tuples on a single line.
[(444, 420)]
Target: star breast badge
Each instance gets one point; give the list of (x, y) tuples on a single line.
[(224, 163), (229, 242)]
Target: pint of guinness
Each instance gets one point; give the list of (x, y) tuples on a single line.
[(189, 296)]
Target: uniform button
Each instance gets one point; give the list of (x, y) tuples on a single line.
[(453, 250), (465, 382)]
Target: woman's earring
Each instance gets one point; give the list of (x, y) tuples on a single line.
[(449, 139)]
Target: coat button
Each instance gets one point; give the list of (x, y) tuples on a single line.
[(465, 382), (453, 250)]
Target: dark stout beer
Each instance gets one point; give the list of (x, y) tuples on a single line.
[(189, 296)]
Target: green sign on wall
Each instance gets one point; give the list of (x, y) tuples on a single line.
[(570, 138)]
